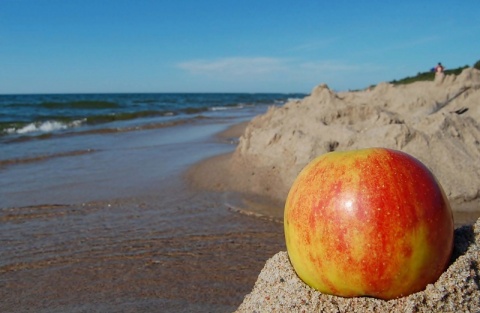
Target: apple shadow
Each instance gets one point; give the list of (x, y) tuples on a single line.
[(464, 237)]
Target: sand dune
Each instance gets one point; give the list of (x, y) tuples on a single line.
[(435, 121)]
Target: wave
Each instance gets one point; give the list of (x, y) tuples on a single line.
[(124, 116), (39, 127), (294, 99), (223, 108), (103, 130), (9, 162), (81, 105), (17, 131), (27, 117), (59, 123)]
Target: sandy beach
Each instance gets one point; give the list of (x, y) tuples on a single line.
[(198, 238), (435, 121), (148, 151), (421, 119)]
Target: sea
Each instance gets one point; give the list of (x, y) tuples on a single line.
[(96, 212), (30, 117), (88, 136)]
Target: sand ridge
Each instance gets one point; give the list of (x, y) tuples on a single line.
[(435, 121)]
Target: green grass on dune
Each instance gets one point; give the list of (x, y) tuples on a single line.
[(425, 76)]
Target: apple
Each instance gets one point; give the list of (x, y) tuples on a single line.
[(372, 222)]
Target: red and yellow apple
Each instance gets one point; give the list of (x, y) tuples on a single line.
[(372, 222)]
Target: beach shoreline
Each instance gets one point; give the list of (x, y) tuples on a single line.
[(204, 209), (420, 119), (278, 288), (219, 169), (167, 247), (435, 121)]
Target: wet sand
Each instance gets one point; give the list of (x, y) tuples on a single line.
[(162, 247), (131, 256), (242, 201)]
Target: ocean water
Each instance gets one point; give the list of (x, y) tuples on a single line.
[(92, 142), (32, 116), (96, 214)]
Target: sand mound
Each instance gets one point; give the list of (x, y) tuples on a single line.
[(278, 288), (435, 121)]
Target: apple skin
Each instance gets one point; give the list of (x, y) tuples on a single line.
[(372, 222)]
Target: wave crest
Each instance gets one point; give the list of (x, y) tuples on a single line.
[(42, 127)]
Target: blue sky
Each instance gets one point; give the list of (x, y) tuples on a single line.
[(70, 46)]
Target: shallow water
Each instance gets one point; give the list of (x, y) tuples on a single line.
[(121, 158), (106, 166), (171, 253), (115, 228)]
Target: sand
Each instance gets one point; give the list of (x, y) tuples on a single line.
[(278, 288), (435, 121), (419, 119)]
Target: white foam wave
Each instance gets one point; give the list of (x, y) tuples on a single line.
[(222, 108), (294, 99), (43, 127)]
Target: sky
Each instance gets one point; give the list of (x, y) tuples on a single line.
[(102, 46)]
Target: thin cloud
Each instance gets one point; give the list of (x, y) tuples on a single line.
[(235, 66)]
